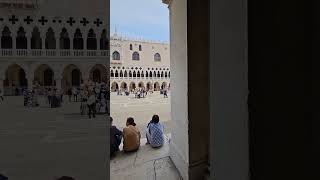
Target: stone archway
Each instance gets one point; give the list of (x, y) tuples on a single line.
[(164, 85), (44, 76), (71, 77), (15, 80), (114, 86), (149, 86), (141, 85), (132, 86), (99, 73), (156, 86), (124, 86)]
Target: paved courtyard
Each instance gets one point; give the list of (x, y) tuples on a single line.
[(43, 143), (141, 110)]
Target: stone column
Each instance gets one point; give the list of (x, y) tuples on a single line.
[(58, 83), (14, 43), (30, 82)]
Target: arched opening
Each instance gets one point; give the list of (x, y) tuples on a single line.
[(21, 40), (131, 47), (98, 73), (156, 86), (135, 56), (166, 74), (149, 86), (154, 74), (50, 39), (116, 56), (141, 85), (150, 74), (78, 40), (124, 86), (140, 48), (158, 74), (44, 76), (164, 85), (162, 74), (64, 39), (111, 73), (15, 80), (134, 74), (130, 74), (114, 87), (72, 77), (138, 74), (36, 41), (104, 42), (116, 74), (121, 73), (6, 39), (91, 40), (157, 57), (125, 74), (147, 74), (132, 86)]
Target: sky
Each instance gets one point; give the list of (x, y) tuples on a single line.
[(140, 19)]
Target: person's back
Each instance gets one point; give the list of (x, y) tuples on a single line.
[(131, 136), (154, 133)]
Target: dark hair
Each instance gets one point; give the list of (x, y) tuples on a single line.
[(65, 178), (111, 119), (130, 121), (155, 119)]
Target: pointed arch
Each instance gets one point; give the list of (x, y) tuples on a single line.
[(6, 39), (104, 41), (77, 40), (50, 42), (91, 40), (64, 39), (21, 40)]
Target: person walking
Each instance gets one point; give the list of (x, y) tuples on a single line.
[(91, 103)]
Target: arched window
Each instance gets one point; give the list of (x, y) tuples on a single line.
[(157, 57), (131, 47), (154, 74), (116, 55), (50, 39), (147, 74), (134, 74), (125, 74), (166, 74), (140, 48), (136, 56), (158, 75), (36, 41), (116, 74), (142, 74), (161, 73), (130, 74), (121, 73), (138, 74), (112, 74), (78, 40), (64, 39), (150, 74), (91, 40), (21, 41), (169, 74), (104, 41), (6, 39)]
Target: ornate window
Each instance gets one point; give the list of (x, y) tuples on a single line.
[(116, 55), (131, 47), (140, 48), (135, 56), (157, 57)]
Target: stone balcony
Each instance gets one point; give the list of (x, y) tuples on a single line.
[(53, 53)]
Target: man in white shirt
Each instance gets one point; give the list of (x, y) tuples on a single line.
[(91, 104)]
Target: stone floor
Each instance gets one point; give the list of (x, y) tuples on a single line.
[(145, 164), (43, 143)]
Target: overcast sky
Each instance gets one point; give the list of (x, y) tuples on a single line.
[(147, 19)]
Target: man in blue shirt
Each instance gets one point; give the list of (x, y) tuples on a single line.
[(154, 132)]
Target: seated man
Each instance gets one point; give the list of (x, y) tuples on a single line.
[(154, 132), (115, 138), (131, 136)]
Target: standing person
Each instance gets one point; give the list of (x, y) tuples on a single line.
[(165, 93), (1, 95), (74, 92), (91, 102), (69, 94), (115, 138), (131, 136), (154, 132)]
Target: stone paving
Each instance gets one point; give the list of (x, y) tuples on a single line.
[(43, 143), (141, 110)]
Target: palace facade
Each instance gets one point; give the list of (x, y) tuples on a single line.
[(49, 48), (139, 64)]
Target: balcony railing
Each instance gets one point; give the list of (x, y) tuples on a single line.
[(53, 53)]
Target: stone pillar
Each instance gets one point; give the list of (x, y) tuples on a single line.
[(30, 83), (84, 36), (58, 83), (14, 43), (57, 41), (71, 42)]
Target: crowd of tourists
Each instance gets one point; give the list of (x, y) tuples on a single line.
[(140, 92), (131, 135)]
